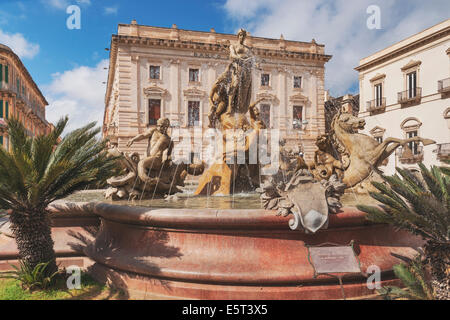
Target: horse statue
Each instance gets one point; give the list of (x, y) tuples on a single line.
[(361, 154)]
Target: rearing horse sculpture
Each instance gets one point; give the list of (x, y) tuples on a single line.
[(361, 154)]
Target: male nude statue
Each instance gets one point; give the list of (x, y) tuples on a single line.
[(158, 142), (218, 98)]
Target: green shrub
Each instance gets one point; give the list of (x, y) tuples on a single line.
[(31, 278)]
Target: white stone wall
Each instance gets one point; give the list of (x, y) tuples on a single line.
[(432, 64)]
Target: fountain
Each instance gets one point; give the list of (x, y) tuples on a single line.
[(153, 174), (268, 252)]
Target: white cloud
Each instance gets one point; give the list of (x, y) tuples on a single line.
[(110, 10), (340, 25), (78, 93), (63, 4), (21, 46)]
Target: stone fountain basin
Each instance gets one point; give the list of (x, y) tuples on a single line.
[(233, 254)]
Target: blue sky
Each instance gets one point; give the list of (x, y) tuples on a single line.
[(69, 65), (44, 23)]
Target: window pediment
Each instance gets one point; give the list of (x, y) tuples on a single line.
[(377, 131), (194, 93), (265, 96), (377, 77), (298, 98), (155, 91), (411, 64), (410, 124)]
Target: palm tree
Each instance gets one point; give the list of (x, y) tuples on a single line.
[(420, 205), (38, 171)]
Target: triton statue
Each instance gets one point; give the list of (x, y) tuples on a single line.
[(155, 175)]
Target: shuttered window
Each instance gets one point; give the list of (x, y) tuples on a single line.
[(6, 110), (1, 108)]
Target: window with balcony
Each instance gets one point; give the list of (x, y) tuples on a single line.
[(413, 92), (264, 110), (265, 80), (378, 95), (297, 117), (412, 152), (193, 113), (297, 82), (412, 84), (378, 102), (194, 75), (154, 111), (413, 146), (155, 72)]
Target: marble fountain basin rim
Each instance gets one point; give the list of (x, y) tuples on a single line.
[(200, 218), (230, 253)]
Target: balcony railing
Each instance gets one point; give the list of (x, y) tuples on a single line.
[(376, 105), (408, 156), (444, 85), (443, 151), (410, 96)]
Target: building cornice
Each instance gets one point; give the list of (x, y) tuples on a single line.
[(5, 51), (405, 49), (217, 47)]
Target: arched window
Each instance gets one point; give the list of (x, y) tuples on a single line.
[(447, 114), (411, 127)]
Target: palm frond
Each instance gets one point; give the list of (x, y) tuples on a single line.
[(420, 206)]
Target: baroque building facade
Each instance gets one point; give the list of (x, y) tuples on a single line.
[(405, 92), (20, 97), (159, 72)]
